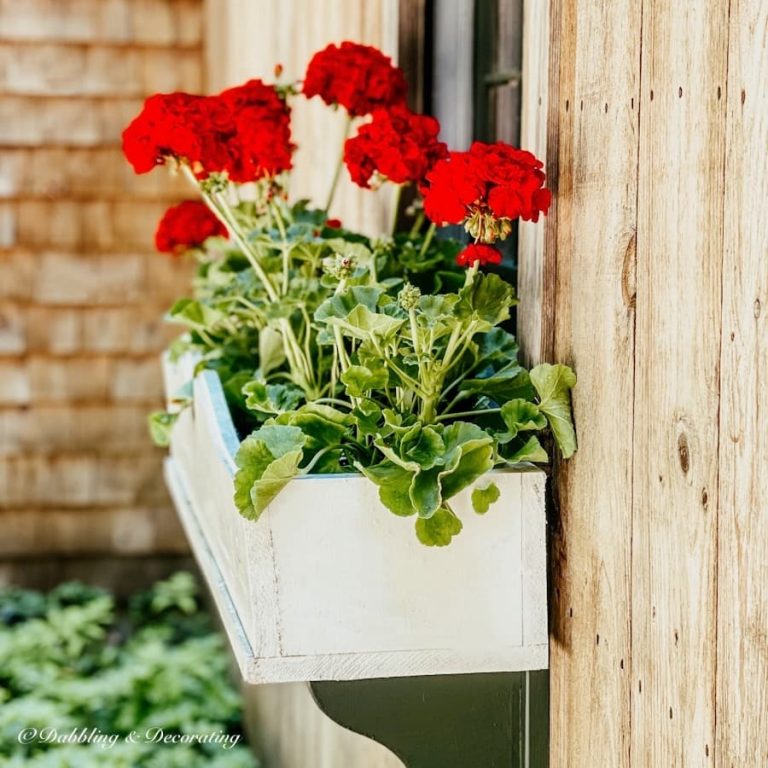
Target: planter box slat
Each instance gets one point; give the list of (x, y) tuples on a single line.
[(329, 585)]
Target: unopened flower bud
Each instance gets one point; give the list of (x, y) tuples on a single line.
[(409, 297), (215, 182), (339, 266), (484, 227)]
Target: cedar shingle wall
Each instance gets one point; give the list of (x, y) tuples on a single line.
[(81, 292)]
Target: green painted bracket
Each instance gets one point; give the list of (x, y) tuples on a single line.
[(447, 721)]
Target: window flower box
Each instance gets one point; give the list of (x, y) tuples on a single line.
[(329, 585)]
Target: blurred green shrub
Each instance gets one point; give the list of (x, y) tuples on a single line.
[(71, 660)]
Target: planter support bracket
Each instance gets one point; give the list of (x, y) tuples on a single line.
[(447, 721)]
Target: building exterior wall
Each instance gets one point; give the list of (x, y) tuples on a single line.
[(651, 280), (82, 292), (248, 39)]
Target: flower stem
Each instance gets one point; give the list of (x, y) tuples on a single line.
[(416, 228), (395, 208), (479, 412), (285, 249), (427, 240), (220, 209), (339, 165)]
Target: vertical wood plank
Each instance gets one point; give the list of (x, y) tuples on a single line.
[(593, 119), (537, 43), (679, 259), (742, 651)]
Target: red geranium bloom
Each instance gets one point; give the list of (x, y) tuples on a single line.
[(453, 185), (486, 188), (245, 132), (262, 124), (358, 77), (165, 126), (397, 144), (516, 181), (485, 254), (187, 225)]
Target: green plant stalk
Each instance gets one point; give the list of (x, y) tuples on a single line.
[(220, 209), (416, 228), (459, 341), (339, 166), (285, 250), (395, 208), (427, 240), (479, 412), (301, 367)]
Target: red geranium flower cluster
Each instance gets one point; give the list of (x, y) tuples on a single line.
[(244, 132), (484, 254), (397, 144), (485, 189), (358, 77), (187, 225)]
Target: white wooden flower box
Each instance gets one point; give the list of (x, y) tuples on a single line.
[(329, 585)]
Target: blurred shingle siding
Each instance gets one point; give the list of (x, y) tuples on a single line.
[(82, 293)]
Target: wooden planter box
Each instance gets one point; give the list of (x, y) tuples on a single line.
[(329, 585)]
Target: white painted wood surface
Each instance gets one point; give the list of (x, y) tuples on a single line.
[(330, 585)]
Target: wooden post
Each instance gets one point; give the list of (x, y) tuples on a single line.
[(651, 279), (742, 543)]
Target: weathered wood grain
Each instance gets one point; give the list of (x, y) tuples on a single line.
[(587, 285), (137, 530), (742, 575), (80, 330), (679, 272), (532, 258)]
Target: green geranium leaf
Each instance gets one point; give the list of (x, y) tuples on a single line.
[(424, 445), (280, 439), (520, 416), (529, 450), (233, 387), (367, 416), (425, 492), (393, 482), (160, 427), (393, 456), (487, 298), (360, 379), (362, 323), (195, 314), (341, 304), (438, 530), (476, 456), (509, 383), (274, 478), (482, 498), (497, 346), (271, 398), (322, 426), (436, 313), (356, 251), (553, 384), (252, 458), (271, 351), (267, 460)]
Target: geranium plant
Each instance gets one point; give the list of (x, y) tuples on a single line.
[(341, 352)]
